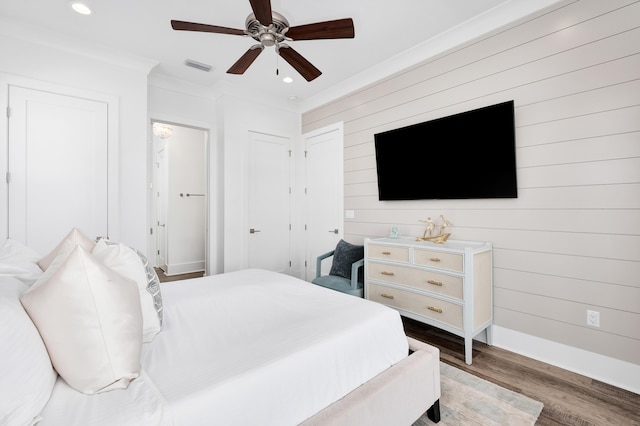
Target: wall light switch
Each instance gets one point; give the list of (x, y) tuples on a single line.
[(349, 214)]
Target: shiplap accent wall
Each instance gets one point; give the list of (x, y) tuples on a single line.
[(570, 242)]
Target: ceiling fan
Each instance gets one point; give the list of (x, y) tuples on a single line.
[(270, 28)]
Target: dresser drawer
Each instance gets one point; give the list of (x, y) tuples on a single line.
[(425, 280), (397, 254), (426, 306), (438, 259)]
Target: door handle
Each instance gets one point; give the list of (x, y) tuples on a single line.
[(334, 231), (253, 231)]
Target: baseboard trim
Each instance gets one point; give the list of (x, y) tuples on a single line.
[(184, 268), (599, 367)]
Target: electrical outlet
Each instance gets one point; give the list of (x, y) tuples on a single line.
[(593, 318)]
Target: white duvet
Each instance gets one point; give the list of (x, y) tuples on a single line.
[(245, 348)]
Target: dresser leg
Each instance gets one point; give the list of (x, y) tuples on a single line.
[(468, 348), (490, 335)]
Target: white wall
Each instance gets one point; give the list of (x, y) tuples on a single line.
[(182, 103), (229, 120), (239, 116), (24, 61), (570, 242), (230, 116)]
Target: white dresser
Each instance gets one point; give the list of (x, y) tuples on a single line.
[(449, 286)]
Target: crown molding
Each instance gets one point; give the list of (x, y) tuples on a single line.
[(13, 28), (500, 16)]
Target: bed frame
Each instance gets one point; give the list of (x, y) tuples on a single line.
[(397, 396)]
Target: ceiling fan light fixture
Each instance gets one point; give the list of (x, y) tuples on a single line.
[(288, 79), (80, 7)]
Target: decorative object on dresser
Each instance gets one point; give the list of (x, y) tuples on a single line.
[(441, 237), (448, 285)]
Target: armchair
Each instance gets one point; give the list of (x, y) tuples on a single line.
[(344, 274)]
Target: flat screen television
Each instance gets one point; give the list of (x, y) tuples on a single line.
[(463, 156)]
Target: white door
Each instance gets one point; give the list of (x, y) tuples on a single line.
[(58, 167), (324, 197), (269, 202)]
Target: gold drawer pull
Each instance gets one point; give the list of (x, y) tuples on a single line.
[(435, 259), (387, 273), (386, 252), (431, 308), (386, 296), (438, 283)]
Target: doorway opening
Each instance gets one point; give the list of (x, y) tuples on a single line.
[(179, 198)]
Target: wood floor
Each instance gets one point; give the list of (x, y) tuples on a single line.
[(568, 398), (165, 278)]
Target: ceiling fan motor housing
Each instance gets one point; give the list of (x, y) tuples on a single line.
[(267, 35)]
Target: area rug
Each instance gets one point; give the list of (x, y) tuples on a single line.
[(469, 400)]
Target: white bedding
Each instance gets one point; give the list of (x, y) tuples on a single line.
[(245, 348)]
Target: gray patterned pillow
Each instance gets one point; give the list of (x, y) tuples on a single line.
[(153, 284), (344, 256)]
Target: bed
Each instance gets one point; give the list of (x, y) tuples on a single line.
[(258, 347)]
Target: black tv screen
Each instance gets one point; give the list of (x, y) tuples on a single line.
[(467, 155)]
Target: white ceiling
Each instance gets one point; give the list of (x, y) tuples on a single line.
[(383, 30)]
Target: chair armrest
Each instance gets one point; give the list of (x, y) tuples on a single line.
[(319, 262), (354, 272)]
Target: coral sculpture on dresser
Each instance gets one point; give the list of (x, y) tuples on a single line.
[(441, 237)]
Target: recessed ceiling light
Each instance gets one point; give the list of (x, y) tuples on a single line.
[(80, 7), (293, 98), (287, 79)]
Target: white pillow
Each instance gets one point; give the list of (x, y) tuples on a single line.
[(26, 374), (20, 261), (89, 318), (125, 261), (73, 238)]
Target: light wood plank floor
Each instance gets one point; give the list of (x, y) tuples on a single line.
[(568, 398)]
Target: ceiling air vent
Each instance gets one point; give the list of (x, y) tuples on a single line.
[(198, 65)]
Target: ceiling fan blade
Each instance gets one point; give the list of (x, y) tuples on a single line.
[(304, 67), (245, 60), (262, 11), (192, 26), (340, 28)]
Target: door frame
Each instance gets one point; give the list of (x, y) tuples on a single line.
[(151, 177), (113, 144)]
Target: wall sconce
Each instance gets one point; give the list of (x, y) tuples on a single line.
[(161, 130)]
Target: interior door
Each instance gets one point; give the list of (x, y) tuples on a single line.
[(269, 202), (58, 167), (324, 197)]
